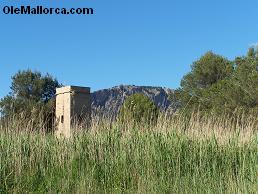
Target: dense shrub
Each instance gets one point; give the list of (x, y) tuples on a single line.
[(137, 109)]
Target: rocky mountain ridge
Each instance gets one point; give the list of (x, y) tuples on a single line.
[(107, 102)]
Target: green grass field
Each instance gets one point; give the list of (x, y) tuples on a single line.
[(164, 159)]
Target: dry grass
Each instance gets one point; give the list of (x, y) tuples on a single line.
[(177, 155)]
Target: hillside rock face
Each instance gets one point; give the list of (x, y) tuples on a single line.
[(107, 102)]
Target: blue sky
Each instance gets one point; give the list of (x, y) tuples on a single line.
[(140, 42)]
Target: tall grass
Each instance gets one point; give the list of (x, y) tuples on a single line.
[(200, 155)]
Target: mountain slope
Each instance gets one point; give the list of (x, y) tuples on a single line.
[(107, 102)]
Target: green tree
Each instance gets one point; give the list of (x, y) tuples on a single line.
[(245, 81), (34, 86), (205, 72), (228, 87), (137, 109), (31, 94)]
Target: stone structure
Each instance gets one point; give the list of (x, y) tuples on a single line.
[(73, 106)]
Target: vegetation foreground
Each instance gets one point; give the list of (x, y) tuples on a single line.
[(204, 157)]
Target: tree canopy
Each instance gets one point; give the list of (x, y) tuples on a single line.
[(220, 85), (31, 93)]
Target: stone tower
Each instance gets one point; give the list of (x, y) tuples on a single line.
[(73, 106)]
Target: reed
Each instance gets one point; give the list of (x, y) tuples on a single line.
[(177, 155)]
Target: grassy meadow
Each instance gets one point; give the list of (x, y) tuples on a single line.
[(207, 155)]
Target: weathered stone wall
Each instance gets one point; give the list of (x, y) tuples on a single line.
[(81, 107), (73, 105)]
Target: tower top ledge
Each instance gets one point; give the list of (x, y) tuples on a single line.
[(69, 89)]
